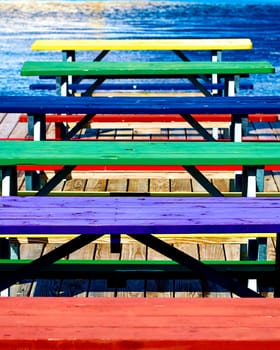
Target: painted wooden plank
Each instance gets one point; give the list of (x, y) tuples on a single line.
[(15, 153), (142, 69), (140, 277), (145, 118), (154, 215), (140, 44), (155, 323), (140, 105), (137, 87)]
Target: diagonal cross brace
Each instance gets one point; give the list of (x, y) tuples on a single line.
[(54, 181), (30, 270), (203, 181), (201, 130), (71, 133), (198, 267)]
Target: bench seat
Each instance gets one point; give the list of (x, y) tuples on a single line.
[(145, 118), (238, 107), (143, 69), (117, 215), (137, 87), (66, 153), (250, 155), (102, 70), (139, 105), (123, 270), (138, 323)]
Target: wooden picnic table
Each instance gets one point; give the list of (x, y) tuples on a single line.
[(215, 46), (102, 71)]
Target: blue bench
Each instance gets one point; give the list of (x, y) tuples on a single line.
[(139, 87), (239, 107), (142, 218)]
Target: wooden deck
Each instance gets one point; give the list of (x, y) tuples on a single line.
[(224, 248)]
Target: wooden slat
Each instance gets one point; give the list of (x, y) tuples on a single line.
[(155, 323), (147, 44), (142, 69), (99, 119), (139, 153), (138, 215), (141, 105)]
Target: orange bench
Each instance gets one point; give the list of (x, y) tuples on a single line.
[(139, 323)]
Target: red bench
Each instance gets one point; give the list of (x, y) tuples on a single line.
[(138, 323), (58, 119), (111, 118)]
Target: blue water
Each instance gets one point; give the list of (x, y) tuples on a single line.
[(22, 22)]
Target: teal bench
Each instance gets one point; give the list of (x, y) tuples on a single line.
[(100, 71)]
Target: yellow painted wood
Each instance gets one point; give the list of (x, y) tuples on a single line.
[(168, 236), (144, 44)]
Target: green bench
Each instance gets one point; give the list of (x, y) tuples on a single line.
[(118, 272), (100, 71), (251, 156)]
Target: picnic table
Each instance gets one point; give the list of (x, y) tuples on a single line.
[(216, 46)]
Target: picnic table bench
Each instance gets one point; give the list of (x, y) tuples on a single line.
[(215, 46), (86, 108), (100, 71), (126, 323), (250, 156), (145, 219)]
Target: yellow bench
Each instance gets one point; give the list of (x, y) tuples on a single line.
[(177, 45)]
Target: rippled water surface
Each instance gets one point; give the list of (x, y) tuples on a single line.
[(22, 22)]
